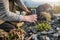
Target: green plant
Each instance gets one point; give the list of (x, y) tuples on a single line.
[(17, 34), (14, 34), (43, 26)]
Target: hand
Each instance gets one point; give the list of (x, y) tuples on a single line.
[(28, 11), (30, 18)]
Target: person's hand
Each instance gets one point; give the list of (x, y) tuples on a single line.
[(30, 18), (28, 11)]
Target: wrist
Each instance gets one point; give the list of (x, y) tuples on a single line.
[(28, 11), (24, 18)]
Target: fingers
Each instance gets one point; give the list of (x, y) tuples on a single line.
[(28, 11), (30, 18), (33, 18)]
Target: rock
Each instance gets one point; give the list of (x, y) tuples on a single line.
[(34, 37), (47, 38)]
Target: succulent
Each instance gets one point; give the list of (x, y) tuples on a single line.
[(17, 33), (43, 26)]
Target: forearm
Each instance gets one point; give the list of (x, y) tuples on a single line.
[(10, 16), (21, 4)]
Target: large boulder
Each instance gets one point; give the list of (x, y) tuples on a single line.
[(44, 11)]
